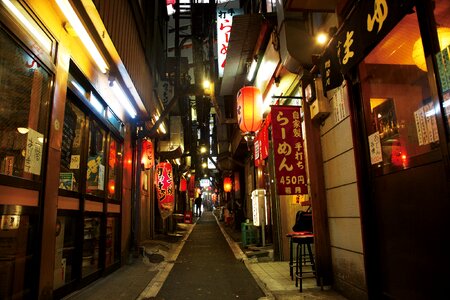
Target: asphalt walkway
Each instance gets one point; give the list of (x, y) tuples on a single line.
[(207, 269)]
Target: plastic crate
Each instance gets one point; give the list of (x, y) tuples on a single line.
[(250, 234)]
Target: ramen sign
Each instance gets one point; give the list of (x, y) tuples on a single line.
[(165, 188)]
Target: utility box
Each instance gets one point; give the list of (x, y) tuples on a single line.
[(320, 108), (250, 234)]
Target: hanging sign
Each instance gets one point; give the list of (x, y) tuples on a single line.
[(191, 187), (290, 169), (369, 22), (262, 143), (224, 21), (164, 188)]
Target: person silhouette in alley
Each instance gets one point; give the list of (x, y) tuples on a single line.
[(198, 205)]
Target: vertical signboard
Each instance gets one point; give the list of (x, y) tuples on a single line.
[(165, 188), (290, 169), (224, 13)]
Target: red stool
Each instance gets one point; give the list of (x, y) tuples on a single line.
[(304, 257)]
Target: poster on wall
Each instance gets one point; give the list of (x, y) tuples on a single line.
[(33, 154), (376, 154), (290, 168)]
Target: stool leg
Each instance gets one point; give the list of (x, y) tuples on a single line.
[(291, 259), (311, 259), (301, 268), (297, 262)]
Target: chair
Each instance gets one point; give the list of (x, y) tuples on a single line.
[(304, 257)]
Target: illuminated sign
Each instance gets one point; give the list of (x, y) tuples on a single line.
[(224, 21)]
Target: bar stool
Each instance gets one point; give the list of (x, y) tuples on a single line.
[(304, 257), (292, 239)]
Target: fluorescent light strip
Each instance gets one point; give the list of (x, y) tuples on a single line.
[(251, 72), (123, 99), (75, 22), (30, 27)]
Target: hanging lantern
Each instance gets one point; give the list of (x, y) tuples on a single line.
[(164, 188), (183, 185), (227, 184), (147, 154), (249, 110)]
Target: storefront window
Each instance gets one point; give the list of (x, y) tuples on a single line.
[(25, 90), (95, 176), (65, 251), (71, 148), (400, 120), (90, 245), (441, 13), (115, 166)]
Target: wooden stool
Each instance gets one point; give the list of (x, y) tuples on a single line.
[(304, 256)]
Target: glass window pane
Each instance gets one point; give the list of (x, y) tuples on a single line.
[(71, 148), (95, 183), (16, 254), (65, 251), (112, 241), (400, 119), (441, 13), (115, 167), (25, 91), (90, 245)]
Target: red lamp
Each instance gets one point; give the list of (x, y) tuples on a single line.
[(249, 111), (227, 184)]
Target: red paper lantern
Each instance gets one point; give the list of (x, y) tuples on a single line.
[(164, 188), (227, 184), (183, 185), (249, 109), (147, 154)]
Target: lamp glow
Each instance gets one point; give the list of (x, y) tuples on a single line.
[(321, 38), (75, 22), (418, 55)]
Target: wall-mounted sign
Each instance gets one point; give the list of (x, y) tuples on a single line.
[(224, 21), (351, 42), (290, 169)]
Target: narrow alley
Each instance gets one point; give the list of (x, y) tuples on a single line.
[(203, 260)]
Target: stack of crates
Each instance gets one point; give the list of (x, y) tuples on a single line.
[(250, 234)]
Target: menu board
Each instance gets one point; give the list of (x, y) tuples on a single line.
[(69, 129)]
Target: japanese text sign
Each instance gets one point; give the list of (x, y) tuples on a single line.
[(224, 22), (369, 22), (290, 169)]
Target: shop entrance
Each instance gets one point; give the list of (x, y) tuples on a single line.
[(405, 178)]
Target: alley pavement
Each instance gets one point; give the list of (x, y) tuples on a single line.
[(194, 263)]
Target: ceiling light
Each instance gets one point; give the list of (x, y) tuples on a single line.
[(76, 24), (32, 28), (23, 130), (322, 38), (252, 69), (123, 99)]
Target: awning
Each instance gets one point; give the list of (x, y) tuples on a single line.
[(243, 37)]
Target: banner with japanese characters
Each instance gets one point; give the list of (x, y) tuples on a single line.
[(290, 168), (225, 13)]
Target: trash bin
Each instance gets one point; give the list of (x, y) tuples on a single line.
[(250, 234)]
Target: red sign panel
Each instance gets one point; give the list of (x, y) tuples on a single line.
[(191, 187), (262, 143), (164, 188), (287, 138)]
